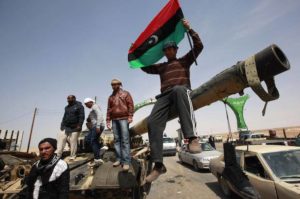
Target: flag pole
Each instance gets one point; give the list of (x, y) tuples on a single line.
[(189, 38)]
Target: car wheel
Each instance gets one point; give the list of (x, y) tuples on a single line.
[(224, 186), (195, 165), (180, 159)]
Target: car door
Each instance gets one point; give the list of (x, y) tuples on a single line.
[(258, 176), (284, 190), (183, 153)]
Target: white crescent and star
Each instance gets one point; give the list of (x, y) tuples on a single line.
[(153, 39)]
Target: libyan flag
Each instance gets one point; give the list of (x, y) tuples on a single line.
[(166, 26)]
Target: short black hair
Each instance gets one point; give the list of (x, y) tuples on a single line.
[(73, 96), (51, 141)]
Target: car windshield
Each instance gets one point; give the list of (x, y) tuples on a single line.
[(168, 140), (284, 164), (206, 147)]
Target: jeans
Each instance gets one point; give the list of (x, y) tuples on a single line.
[(121, 137), (92, 139)]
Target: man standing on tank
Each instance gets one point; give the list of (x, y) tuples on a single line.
[(70, 127), (175, 91)]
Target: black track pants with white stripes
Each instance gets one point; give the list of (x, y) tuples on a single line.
[(178, 98)]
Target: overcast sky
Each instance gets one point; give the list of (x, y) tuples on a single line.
[(50, 49)]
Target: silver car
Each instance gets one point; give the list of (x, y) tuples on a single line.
[(198, 160), (169, 146)]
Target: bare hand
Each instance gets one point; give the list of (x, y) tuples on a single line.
[(186, 24), (108, 125), (98, 130), (129, 120)]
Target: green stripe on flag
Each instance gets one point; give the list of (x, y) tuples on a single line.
[(155, 53)]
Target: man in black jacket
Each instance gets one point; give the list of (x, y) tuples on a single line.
[(70, 126), (49, 177)]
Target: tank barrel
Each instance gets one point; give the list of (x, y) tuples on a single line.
[(262, 66)]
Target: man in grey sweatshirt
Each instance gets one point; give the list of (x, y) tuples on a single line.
[(96, 126)]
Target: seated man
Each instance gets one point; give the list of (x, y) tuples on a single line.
[(49, 177)]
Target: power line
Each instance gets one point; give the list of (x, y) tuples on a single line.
[(15, 118)]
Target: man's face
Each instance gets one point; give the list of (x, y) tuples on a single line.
[(89, 104), (70, 99), (46, 150), (115, 86), (170, 53)]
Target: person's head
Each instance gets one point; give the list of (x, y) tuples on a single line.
[(71, 99), (89, 102), (116, 84), (170, 49), (47, 147)]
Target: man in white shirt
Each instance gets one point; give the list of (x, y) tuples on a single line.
[(96, 126)]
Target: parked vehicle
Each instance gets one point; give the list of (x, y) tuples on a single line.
[(169, 146), (218, 138), (253, 136), (198, 160), (204, 138), (274, 171)]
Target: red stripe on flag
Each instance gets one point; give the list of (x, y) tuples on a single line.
[(159, 20)]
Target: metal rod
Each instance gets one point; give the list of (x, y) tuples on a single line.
[(284, 133), (4, 139), (10, 140), (17, 139), (21, 141), (31, 129), (5, 135), (189, 38)]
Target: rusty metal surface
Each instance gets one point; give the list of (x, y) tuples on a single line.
[(107, 176)]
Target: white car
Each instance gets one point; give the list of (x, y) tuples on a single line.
[(169, 146), (198, 160)]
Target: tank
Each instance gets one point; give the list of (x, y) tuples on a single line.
[(106, 181)]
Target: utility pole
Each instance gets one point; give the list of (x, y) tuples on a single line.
[(34, 114), (95, 99)]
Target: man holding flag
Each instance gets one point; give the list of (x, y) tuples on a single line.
[(160, 38), (175, 91)]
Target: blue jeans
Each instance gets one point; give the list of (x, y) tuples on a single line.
[(121, 136), (92, 139)]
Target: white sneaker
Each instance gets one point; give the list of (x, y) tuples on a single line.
[(104, 148), (98, 162)]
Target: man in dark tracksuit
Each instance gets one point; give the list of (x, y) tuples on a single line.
[(175, 91), (71, 126)]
